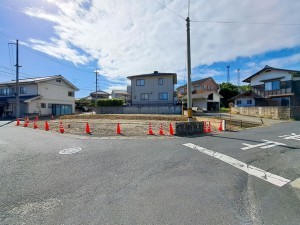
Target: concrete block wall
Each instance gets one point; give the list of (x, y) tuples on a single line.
[(270, 112), (139, 110)]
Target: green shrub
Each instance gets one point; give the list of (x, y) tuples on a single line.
[(109, 102)]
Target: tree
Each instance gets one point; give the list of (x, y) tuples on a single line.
[(227, 90)]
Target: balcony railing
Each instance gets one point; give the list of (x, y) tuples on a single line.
[(265, 94)]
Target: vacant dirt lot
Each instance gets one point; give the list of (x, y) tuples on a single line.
[(131, 125)]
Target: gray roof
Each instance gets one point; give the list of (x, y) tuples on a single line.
[(122, 92), (266, 68), (156, 73), (38, 80)]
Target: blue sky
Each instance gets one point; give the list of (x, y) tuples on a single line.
[(124, 38)]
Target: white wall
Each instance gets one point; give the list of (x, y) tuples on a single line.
[(270, 75), (201, 103), (244, 102)]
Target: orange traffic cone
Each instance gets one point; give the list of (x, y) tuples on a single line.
[(209, 128), (161, 132), (35, 126), (47, 127), (150, 131), (118, 131), (204, 127), (171, 129), (61, 128), (18, 122), (26, 123), (220, 127), (88, 129)]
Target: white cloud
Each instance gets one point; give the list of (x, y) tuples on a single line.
[(132, 37)]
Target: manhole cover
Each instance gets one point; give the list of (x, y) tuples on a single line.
[(70, 151)]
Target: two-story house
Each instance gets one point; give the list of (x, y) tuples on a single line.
[(97, 95), (153, 88), (120, 94), (205, 94), (52, 95), (271, 87)]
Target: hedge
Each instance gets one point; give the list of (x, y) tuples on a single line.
[(109, 102)]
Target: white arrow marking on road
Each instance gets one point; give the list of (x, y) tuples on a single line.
[(266, 144), (262, 174)]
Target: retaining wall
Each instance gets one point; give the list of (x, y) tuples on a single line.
[(268, 112)]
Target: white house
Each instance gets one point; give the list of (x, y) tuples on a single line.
[(121, 94), (52, 95), (271, 87)]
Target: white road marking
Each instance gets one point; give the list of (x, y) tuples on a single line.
[(262, 174), (266, 144), (292, 136), (69, 151)]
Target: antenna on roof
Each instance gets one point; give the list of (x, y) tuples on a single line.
[(238, 80)]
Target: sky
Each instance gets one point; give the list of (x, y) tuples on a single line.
[(123, 38)]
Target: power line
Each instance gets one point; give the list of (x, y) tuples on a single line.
[(241, 22), (163, 5)]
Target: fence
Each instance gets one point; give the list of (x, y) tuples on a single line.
[(278, 112)]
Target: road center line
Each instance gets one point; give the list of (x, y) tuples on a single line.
[(262, 174)]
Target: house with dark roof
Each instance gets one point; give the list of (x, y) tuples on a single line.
[(205, 94), (97, 95), (153, 88), (51, 95), (271, 87)]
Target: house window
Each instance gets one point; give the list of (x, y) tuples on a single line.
[(140, 82), (238, 102), (58, 80), (181, 90), (144, 96), (249, 102), (23, 90), (163, 96), (43, 105), (197, 87), (49, 105), (160, 81), (71, 93), (204, 87), (272, 85), (6, 91)]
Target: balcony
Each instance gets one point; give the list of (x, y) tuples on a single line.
[(267, 94)]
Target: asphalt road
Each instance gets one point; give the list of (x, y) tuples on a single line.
[(147, 181)]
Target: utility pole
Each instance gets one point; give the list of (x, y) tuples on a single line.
[(96, 72), (189, 89), (17, 80), (228, 75), (238, 80)]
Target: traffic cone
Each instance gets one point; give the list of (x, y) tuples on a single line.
[(18, 122), (209, 127), (35, 126), (88, 129), (118, 131), (26, 123), (61, 128), (171, 129), (47, 127), (150, 131), (204, 127), (220, 127), (161, 132)]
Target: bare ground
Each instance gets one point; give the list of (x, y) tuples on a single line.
[(131, 125)]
